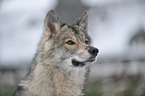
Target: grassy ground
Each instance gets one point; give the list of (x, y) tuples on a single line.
[(6, 90), (133, 85)]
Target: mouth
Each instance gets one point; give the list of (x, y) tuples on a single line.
[(81, 64)]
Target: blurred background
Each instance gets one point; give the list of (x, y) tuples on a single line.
[(117, 29)]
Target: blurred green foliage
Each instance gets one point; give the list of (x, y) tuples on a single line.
[(115, 85), (6, 90)]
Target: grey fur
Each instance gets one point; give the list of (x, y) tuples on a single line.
[(52, 72)]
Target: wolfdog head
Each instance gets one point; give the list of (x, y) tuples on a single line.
[(67, 46)]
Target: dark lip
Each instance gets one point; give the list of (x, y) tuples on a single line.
[(81, 64), (91, 59), (77, 63)]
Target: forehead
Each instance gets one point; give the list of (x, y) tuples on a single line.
[(76, 30)]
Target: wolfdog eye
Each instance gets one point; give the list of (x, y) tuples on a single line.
[(70, 42), (86, 41)]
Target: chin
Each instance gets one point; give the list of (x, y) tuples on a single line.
[(82, 63)]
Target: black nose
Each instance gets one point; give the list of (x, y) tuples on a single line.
[(93, 51)]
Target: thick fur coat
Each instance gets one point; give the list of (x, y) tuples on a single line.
[(61, 64)]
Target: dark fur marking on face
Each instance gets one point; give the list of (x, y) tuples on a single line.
[(87, 37), (81, 35), (63, 24), (73, 29)]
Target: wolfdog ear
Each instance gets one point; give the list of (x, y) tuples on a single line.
[(83, 21), (51, 23)]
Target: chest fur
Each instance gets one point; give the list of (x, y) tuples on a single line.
[(48, 81)]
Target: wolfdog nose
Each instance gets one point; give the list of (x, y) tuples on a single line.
[(93, 51)]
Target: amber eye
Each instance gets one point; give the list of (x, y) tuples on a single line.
[(70, 42), (86, 41)]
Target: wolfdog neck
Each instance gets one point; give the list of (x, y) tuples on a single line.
[(47, 80)]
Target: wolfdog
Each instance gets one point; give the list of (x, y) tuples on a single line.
[(61, 64)]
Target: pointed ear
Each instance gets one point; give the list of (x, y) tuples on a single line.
[(51, 23), (83, 21)]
